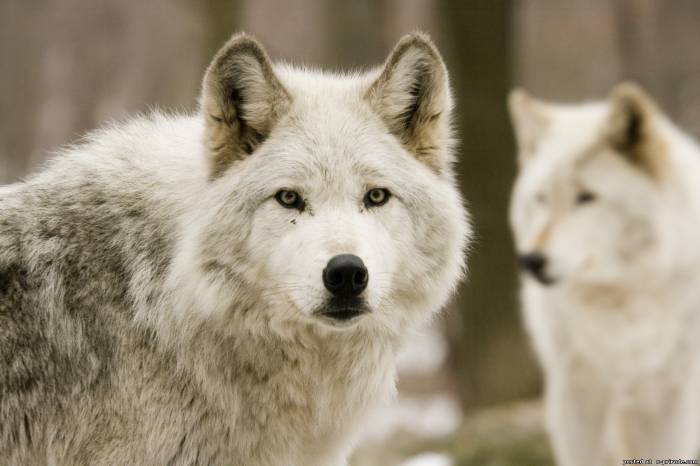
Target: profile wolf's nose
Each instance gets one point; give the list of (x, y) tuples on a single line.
[(345, 276), (533, 262)]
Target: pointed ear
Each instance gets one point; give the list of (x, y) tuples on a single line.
[(530, 119), (241, 101), (412, 96), (630, 129)]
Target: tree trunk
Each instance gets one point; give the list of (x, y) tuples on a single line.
[(490, 352)]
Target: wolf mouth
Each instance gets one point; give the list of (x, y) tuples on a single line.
[(343, 310), (544, 279)]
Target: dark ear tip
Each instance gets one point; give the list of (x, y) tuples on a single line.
[(417, 37), (631, 96), (239, 44), (241, 40), (417, 40), (627, 88)]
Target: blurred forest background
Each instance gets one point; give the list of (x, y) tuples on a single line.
[(69, 66)]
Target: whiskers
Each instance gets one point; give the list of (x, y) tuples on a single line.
[(286, 291), (300, 287)]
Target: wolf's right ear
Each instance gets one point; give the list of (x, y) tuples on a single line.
[(630, 128), (530, 121), (412, 96), (242, 99)]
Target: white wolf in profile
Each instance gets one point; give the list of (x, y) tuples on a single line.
[(230, 287), (606, 216)]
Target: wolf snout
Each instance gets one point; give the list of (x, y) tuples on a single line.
[(536, 264), (533, 262), (345, 276)]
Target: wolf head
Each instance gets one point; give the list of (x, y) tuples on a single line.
[(330, 198), (588, 205)]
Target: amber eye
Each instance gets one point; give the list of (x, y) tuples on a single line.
[(376, 197), (584, 197), (290, 199)]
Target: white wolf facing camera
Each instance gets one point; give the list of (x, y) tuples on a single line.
[(606, 216), (230, 287)]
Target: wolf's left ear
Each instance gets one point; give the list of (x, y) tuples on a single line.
[(241, 101), (412, 96), (630, 129), (530, 119)]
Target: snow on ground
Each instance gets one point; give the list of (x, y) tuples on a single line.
[(429, 459), (427, 416)]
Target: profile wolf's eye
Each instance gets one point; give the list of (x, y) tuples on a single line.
[(376, 197), (584, 197), (290, 199)]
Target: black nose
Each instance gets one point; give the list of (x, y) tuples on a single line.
[(533, 262), (345, 276)]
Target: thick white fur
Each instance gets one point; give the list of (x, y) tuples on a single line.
[(219, 354), (616, 333), (331, 148)]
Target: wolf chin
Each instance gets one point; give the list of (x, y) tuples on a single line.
[(606, 215), (230, 287)]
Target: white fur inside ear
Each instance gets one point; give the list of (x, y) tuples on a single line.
[(256, 94), (412, 96), (407, 84), (242, 99)]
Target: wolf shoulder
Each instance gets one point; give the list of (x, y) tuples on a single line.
[(71, 236), (115, 178), (94, 202), (114, 186), (153, 161), (149, 154)]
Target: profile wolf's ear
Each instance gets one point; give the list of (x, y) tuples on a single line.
[(412, 96), (241, 101), (630, 129), (530, 121)]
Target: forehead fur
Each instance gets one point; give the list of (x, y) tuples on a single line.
[(327, 103), (573, 132), (331, 131), (572, 129), (312, 83)]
